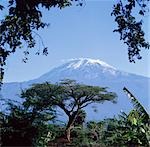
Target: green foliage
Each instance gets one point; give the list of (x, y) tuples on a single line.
[(23, 126), (130, 129), (129, 28), (80, 119), (50, 132), (18, 28), (32, 122), (89, 135), (139, 108), (69, 96), (79, 136)]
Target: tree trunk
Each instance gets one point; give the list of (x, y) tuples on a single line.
[(68, 132), (70, 124), (69, 127)]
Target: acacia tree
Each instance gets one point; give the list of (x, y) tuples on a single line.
[(69, 96), (80, 119), (18, 28)]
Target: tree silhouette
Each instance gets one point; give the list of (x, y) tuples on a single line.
[(24, 124), (69, 96), (19, 27), (129, 28)]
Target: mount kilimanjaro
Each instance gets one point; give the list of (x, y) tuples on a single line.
[(92, 72)]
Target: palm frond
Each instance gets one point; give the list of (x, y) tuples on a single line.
[(137, 105)]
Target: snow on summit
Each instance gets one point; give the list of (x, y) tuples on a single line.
[(76, 63), (91, 72)]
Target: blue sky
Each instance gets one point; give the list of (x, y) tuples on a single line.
[(77, 32)]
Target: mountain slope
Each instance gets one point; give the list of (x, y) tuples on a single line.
[(93, 72)]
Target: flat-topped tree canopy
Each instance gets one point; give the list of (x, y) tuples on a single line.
[(69, 96)]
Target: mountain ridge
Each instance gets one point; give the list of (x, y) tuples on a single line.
[(96, 73), (74, 59)]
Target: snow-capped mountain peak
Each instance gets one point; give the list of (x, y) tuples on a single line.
[(92, 72), (83, 67), (77, 63)]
